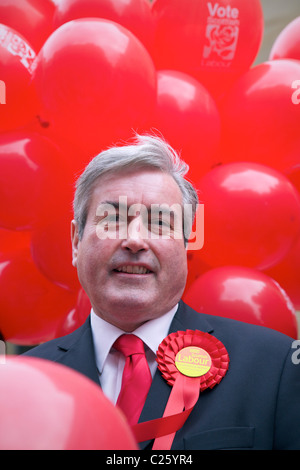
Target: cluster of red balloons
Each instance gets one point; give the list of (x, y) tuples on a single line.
[(79, 75)]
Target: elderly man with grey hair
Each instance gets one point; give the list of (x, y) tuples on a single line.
[(133, 214)]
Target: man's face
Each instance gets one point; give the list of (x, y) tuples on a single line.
[(138, 274)]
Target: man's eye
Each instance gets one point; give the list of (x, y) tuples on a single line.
[(163, 223), (111, 217), (160, 224), (110, 220), (115, 218)]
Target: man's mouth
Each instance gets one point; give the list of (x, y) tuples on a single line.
[(130, 269)]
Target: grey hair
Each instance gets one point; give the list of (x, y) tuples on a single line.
[(146, 151)]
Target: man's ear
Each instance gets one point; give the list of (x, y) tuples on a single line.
[(75, 242)]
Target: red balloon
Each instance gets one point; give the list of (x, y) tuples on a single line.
[(292, 170), (51, 247), (188, 118), (10, 241), (251, 215), (31, 167), (77, 316), (31, 307), (287, 44), (96, 81), (48, 406), (135, 15), (212, 41), (52, 252), (287, 273), (18, 101), (243, 294), (196, 267), (31, 18), (259, 118)]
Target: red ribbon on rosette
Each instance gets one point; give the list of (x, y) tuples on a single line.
[(190, 361)]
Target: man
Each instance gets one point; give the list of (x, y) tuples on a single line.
[(129, 239)]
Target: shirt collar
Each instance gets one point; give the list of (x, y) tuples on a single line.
[(105, 334), (154, 331)]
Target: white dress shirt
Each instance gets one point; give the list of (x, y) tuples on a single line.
[(110, 362)]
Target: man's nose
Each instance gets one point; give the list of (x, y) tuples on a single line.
[(137, 236)]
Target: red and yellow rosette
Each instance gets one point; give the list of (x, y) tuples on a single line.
[(190, 361)]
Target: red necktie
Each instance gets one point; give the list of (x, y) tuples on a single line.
[(136, 379)]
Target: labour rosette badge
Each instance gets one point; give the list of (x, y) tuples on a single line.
[(190, 361)]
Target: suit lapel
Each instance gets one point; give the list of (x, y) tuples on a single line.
[(184, 319), (78, 352), (188, 319)]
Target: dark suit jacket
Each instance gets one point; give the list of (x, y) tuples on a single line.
[(255, 406)]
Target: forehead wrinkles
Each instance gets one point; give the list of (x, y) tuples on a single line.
[(148, 187)]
